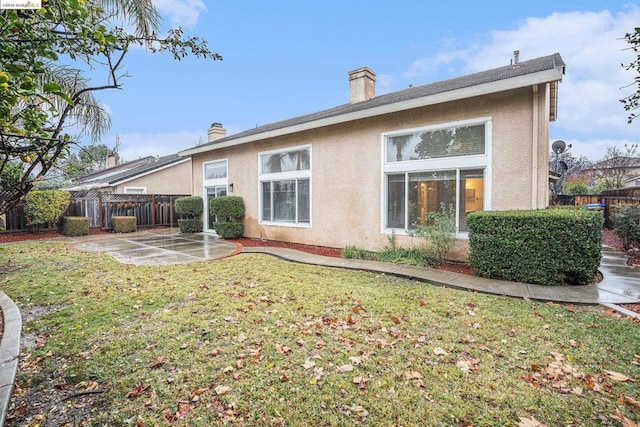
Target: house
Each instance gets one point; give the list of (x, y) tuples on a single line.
[(149, 175), (365, 172)]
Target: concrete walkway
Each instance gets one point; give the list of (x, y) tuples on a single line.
[(620, 285)]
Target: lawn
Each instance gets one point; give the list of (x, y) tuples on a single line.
[(252, 340)]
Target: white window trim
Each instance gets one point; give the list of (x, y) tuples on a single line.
[(135, 189), (458, 163), (208, 183), (280, 176)]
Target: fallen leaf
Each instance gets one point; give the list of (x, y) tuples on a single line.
[(158, 362), (345, 368), (530, 422), (308, 364), (221, 389), (413, 375), (626, 422), (440, 351), (360, 382), (355, 360), (617, 376)]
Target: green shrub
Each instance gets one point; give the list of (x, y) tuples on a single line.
[(75, 226), (438, 231), (44, 207), (227, 208), (626, 224), (190, 225), (547, 247), (353, 252), (124, 224), (227, 212), (191, 205), (229, 230)]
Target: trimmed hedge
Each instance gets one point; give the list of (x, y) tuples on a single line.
[(44, 207), (191, 205), (546, 247), (190, 225), (228, 212), (229, 230), (124, 224), (75, 226)]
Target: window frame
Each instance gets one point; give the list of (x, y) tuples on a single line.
[(212, 183), (296, 176), (439, 164)]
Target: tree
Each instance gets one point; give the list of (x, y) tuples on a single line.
[(632, 102), (568, 167), (89, 159), (616, 167), (44, 88)]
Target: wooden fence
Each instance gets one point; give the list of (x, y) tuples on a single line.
[(610, 199), (150, 210)]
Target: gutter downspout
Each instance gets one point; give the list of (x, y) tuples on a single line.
[(534, 164)]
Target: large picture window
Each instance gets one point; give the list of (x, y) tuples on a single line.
[(428, 168), (285, 195)]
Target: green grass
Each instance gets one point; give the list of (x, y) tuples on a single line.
[(258, 341)]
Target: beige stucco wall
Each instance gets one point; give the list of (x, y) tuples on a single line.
[(174, 180), (346, 169)]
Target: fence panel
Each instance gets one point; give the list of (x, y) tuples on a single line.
[(150, 210)]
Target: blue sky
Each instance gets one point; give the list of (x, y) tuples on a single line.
[(287, 58)]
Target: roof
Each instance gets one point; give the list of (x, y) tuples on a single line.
[(115, 175), (535, 71)]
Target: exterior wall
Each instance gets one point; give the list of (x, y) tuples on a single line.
[(346, 169), (174, 180)]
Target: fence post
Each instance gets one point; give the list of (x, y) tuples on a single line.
[(153, 210), (100, 209)]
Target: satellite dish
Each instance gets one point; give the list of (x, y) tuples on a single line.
[(559, 146)]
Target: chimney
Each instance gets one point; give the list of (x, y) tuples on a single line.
[(110, 162), (362, 85), (216, 131), (516, 59)]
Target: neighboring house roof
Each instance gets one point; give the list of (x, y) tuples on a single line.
[(547, 69), (117, 175), (620, 162)]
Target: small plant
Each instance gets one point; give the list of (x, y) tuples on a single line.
[(412, 256), (626, 225), (438, 230), (353, 252)]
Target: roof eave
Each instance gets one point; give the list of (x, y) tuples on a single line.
[(546, 76), (149, 172)]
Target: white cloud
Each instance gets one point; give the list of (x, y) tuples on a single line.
[(591, 45), (181, 12), (136, 145)]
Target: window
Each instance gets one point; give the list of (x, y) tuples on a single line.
[(212, 193), (215, 183), (285, 186), (427, 168), (215, 170)]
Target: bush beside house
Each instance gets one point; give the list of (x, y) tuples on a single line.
[(546, 247), (228, 212), (191, 207), (45, 207)]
